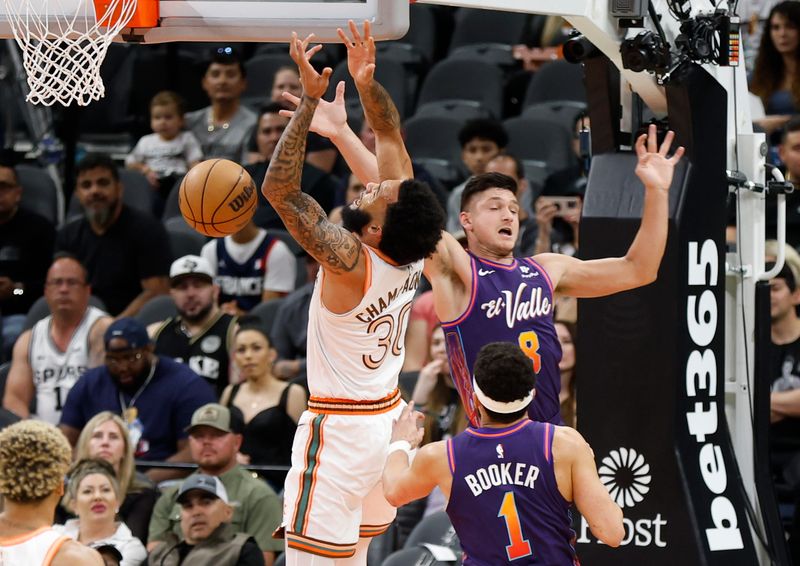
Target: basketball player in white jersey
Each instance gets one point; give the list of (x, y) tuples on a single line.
[(370, 269), (34, 456), (50, 357)]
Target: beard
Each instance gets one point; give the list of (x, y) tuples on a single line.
[(354, 219), (101, 216), (199, 316)]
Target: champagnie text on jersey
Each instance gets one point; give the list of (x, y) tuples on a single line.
[(375, 309)]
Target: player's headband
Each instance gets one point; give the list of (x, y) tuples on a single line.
[(499, 406)]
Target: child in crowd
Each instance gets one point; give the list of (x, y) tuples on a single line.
[(168, 153)]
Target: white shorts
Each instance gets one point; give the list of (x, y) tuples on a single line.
[(333, 494)]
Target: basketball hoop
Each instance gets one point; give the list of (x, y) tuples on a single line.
[(64, 42)]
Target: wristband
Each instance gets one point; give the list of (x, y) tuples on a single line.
[(401, 445)]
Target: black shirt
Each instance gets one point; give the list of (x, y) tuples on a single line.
[(135, 247), (206, 353), (785, 367), (26, 250), (315, 183)]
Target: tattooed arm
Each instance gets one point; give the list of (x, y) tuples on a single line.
[(381, 113), (336, 249)]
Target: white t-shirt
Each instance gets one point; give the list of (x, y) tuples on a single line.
[(131, 548), (166, 157), (281, 269)]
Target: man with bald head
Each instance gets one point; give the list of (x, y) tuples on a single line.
[(50, 357)]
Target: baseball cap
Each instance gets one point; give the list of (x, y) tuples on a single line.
[(209, 484), (190, 265), (107, 549), (217, 416), (128, 329)]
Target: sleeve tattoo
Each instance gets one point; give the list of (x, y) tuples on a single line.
[(332, 246)]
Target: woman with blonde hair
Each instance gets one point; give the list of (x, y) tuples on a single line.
[(94, 494), (105, 436)]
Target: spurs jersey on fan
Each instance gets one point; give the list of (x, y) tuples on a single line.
[(359, 354), (54, 371)]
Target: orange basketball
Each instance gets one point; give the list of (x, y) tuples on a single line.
[(217, 197)]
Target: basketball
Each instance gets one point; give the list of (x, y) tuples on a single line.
[(217, 197)]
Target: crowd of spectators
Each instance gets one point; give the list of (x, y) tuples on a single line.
[(218, 379)]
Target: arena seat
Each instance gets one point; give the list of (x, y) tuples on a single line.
[(433, 136), (171, 206), (422, 31), (559, 80), (392, 76), (499, 54), (488, 26), (156, 309), (41, 309), (563, 112), (435, 529), (465, 79), (183, 242), (461, 110), (266, 312), (40, 194), (261, 71), (540, 140)]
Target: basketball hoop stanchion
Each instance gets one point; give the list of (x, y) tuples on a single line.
[(64, 43)]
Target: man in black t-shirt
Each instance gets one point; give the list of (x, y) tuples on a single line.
[(126, 251), (201, 335), (26, 249)]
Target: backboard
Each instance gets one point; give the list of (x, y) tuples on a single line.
[(244, 20)]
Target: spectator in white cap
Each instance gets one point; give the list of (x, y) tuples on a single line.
[(201, 335), (250, 266), (206, 527)]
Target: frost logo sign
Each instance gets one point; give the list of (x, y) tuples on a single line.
[(626, 475)]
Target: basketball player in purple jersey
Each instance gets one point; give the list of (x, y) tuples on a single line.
[(509, 483), (486, 294)]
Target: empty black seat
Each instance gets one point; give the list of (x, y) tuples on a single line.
[(465, 79)]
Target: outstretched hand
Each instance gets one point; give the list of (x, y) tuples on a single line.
[(314, 84), (360, 53), (654, 168), (329, 117), (406, 427)]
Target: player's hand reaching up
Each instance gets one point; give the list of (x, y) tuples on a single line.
[(655, 168), (329, 117), (407, 426), (314, 84), (360, 53)]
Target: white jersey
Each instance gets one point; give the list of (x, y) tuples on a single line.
[(54, 371), (359, 354), (33, 549)]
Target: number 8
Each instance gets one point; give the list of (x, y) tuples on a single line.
[(529, 344)]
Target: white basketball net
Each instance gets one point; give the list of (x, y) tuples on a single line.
[(63, 45)]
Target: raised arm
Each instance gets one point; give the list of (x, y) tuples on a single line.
[(336, 249), (600, 277), (330, 121), (379, 110)]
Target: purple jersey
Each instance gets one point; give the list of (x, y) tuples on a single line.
[(508, 303), (504, 503)]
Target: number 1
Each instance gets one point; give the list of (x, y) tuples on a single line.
[(519, 547)]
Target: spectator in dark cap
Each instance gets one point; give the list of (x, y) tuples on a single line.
[(208, 536), (125, 251), (155, 395), (481, 140), (26, 248), (215, 436)]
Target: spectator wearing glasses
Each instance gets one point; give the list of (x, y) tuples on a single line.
[(155, 395), (224, 127), (50, 357), (26, 247)]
